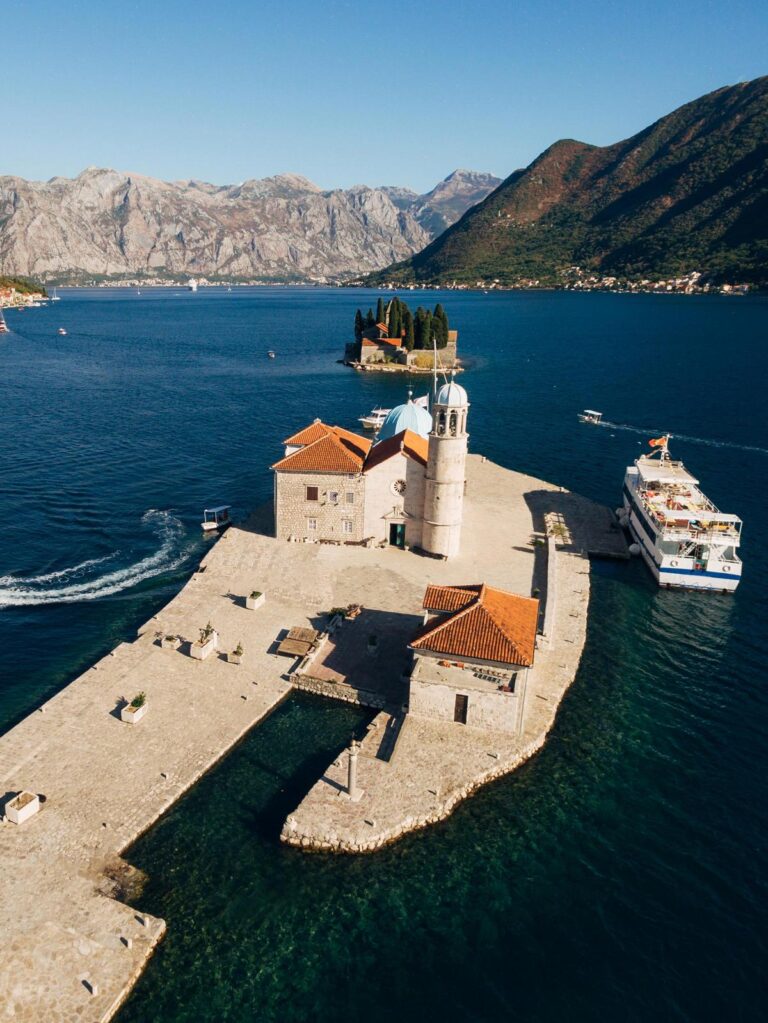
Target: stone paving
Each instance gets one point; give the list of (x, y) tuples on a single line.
[(71, 953)]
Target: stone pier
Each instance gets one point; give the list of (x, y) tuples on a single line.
[(69, 951)]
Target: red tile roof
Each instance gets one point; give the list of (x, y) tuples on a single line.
[(335, 450), (382, 326), (371, 343), (410, 443), (493, 625), (309, 434), (449, 598)]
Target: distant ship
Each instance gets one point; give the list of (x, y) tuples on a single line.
[(4, 328), (55, 297), (192, 284), (61, 331), (270, 354), (685, 541)]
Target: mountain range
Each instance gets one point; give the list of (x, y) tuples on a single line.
[(689, 193), (109, 224)]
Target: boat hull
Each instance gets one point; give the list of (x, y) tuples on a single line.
[(675, 577)]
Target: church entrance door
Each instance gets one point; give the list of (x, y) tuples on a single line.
[(397, 534)]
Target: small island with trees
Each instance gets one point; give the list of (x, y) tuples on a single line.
[(395, 339)]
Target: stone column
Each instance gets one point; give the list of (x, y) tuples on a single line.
[(352, 789)]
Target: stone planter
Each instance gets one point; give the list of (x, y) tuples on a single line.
[(170, 642), (132, 715), (200, 650), (234, 658), (252, 602), (22, 807)]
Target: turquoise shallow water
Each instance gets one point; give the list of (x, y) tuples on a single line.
[(621, 873)]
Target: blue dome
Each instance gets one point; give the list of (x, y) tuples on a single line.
[(406, 417)]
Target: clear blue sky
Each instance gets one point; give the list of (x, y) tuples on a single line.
[(345, 92)]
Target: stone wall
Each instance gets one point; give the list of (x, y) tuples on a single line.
[(338, 691), (486, 709), (293, 510)]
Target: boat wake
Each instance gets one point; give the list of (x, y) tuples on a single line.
[(83, 582), (655, 432)]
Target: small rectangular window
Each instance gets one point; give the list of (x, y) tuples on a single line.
[(347, 525), (333, 496), (350, 496), (313, 494), (311, 525)]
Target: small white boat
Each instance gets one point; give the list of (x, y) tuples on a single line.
[(374, 419), (4, 328), (590, 416), (55, 297), (270, 355), (216, 518), (62, 331)]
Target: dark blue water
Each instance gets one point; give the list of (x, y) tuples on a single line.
[(620, 874)]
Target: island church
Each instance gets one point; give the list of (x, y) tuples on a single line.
[(406, 490)]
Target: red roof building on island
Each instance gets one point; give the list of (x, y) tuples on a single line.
[(482, 624), (334, 450)]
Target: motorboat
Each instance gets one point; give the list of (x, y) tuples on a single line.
[(216, 518), (590, 416)]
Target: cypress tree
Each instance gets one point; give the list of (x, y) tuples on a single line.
[(358, 326), (395, 318), (440, 326), (429, 329), (418, 328), (410, 339), (369, 319), (381, 311)]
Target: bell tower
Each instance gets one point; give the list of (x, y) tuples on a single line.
[(446, 472)]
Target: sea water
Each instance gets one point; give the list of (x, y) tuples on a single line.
[(618, 875)]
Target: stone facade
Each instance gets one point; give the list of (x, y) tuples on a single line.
[(387, 501), (337, 510), (434, 688)]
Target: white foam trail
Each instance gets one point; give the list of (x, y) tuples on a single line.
[(63, 573), (652, 432), (16, 592)]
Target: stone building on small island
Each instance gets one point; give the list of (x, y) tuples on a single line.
[(406, 490), (473, 655)]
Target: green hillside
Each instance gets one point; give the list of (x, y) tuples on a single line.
[(688, 193)]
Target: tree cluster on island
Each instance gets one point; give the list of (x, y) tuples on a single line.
[(418, 330)]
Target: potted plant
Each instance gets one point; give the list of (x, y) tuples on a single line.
[(170, 642), (134, 711), (208, 642), (254, 599), (236, 656), (22, 807)]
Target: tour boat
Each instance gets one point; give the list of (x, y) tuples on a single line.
[(684, 539), (374, 419), (590, 416), (216, 518), (4, 328), (61, 331)]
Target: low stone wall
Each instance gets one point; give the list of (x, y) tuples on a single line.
[(335, 691), (550, 603)]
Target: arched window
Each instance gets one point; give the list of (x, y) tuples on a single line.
[(441, 422), (453, 424)]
